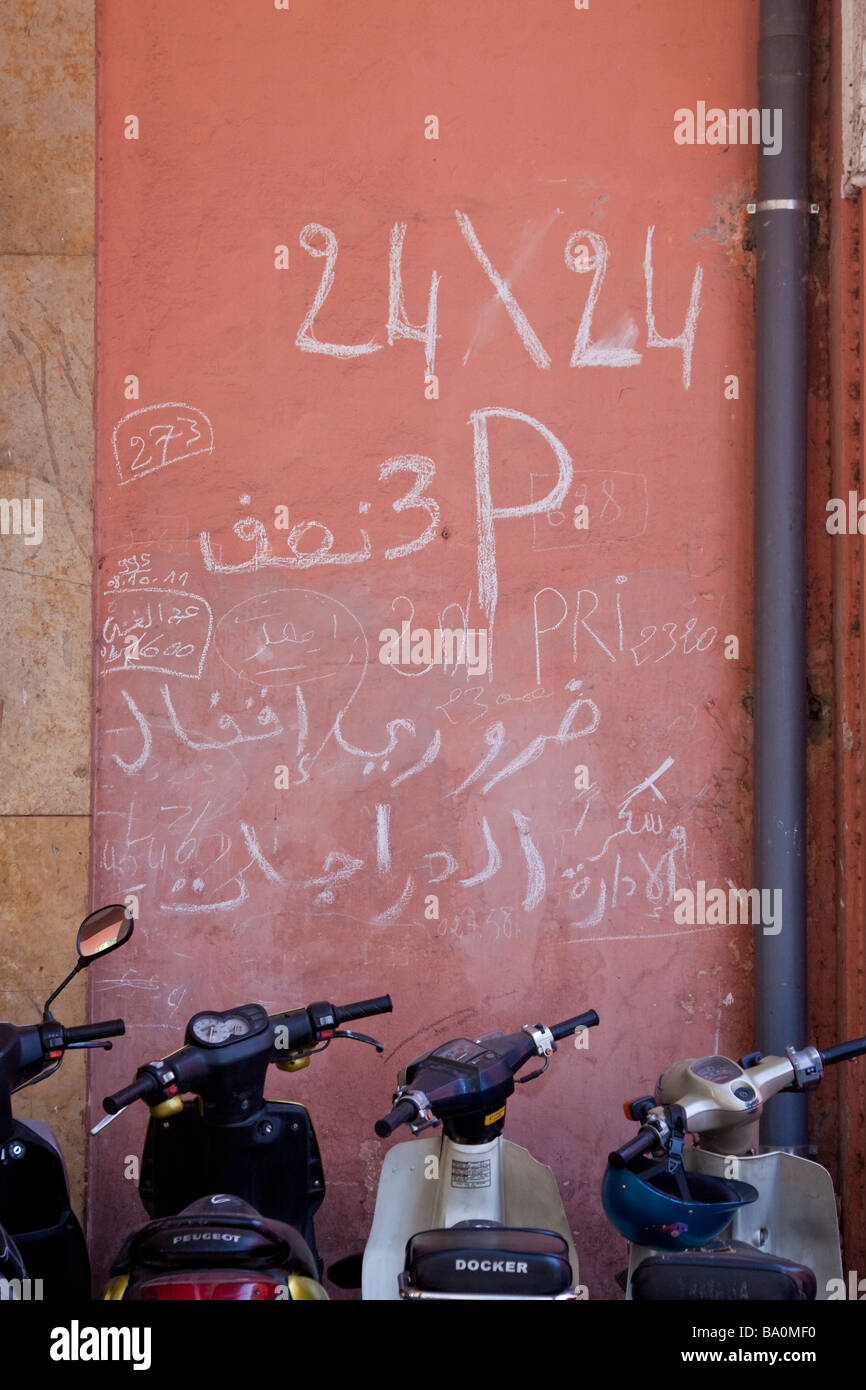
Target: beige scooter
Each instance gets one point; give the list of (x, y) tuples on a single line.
[(721, 1219)]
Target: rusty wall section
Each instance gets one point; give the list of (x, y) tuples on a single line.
[(46, 452)]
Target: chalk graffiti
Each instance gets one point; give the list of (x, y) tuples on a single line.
[(157, 435), (617, 509), (166, 630), (391, 787)]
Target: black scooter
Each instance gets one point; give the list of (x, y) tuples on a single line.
[(42, 1249), (232, 1180)]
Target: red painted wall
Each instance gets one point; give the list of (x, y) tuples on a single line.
[(262, 388)]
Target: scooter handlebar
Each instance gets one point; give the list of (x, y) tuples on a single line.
[(645, 1139), (571, 1025), (307, 1025), (92, 1032), (843, 1052), (403, 1112), (145, 1085), (365, 1008)]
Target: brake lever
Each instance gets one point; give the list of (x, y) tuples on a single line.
[(107, 1119), (94, 1043), (344, 1033), (359, 1037)]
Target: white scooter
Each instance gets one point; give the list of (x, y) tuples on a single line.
[(467, 1214), (722, 1219)]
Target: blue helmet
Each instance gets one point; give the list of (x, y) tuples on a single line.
[(668, 1211)]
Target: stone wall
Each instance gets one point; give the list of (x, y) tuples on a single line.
[(46, 456)]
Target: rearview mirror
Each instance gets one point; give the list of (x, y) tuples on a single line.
[(103, 931)]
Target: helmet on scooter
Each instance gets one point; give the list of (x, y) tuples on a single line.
[(670, 1210)]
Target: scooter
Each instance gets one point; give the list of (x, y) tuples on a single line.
[(42, 1249), (232, 1180), (469, 1215), (721, 1219)]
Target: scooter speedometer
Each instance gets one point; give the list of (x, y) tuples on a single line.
[(215, 1029)]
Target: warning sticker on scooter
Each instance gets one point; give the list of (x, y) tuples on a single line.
[(470, 1173)]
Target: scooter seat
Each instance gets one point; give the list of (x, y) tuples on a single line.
[(488, 1259), (218, 1230), (722, 1269)]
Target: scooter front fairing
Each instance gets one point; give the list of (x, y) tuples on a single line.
[(432, 1183), (794, 1216)]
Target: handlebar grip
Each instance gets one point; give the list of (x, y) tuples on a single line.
[(92, 1032), (843, 1052), (403, 1112), (571, 1025), (144, 1086), (646, 1139), (365, 1008)]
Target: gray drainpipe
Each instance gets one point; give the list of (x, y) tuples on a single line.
[(782, 238)]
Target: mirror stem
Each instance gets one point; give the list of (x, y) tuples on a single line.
[(47, 1016)]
